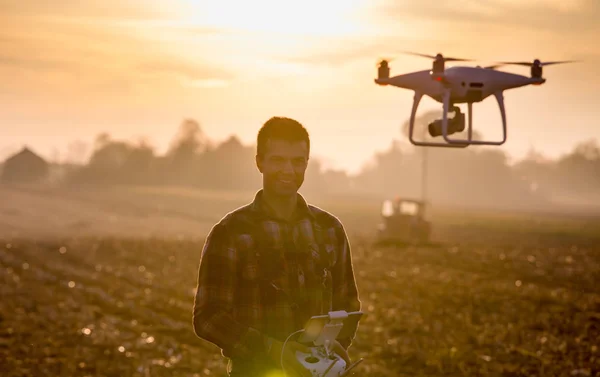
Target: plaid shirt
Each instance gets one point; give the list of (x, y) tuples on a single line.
[(261, 276)]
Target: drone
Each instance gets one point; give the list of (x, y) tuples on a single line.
[(455, 85)]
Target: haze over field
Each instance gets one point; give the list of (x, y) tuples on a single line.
[(459, 179), (87, 293)]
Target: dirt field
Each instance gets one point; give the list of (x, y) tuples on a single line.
[(100, 282)]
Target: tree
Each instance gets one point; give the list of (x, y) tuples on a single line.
[(189, 141), (184, 153)]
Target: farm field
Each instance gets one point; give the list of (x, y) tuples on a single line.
[(100, 282)]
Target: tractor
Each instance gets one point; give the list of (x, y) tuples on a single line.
[(403, 221)]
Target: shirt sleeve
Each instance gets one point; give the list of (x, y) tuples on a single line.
[(214, 300), (345, 291)]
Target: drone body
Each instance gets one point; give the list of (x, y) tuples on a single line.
[(456, 85), (466, 84)]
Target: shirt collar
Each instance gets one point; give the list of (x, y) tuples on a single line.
[(261, 208)]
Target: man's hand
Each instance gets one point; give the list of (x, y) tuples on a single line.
[(290, 362)]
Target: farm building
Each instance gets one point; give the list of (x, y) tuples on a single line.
[(25, 167)]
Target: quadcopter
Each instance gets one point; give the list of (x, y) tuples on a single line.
[(459, 84)]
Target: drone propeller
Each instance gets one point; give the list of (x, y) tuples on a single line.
[(536, 66), (536, 62), (560, 62), (438, 56)]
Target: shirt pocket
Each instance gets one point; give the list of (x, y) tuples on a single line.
[(249, 267), (264, 267)]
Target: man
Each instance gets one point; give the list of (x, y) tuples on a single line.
[(268, 266)]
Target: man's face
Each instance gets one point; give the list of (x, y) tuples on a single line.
[(283, 166)]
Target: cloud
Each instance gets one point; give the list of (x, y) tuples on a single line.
[(560, 16), (113, 51), (35, 64), (59, 49), (191, 74), (565, 6), (402, 25), (207, 83), (338, 52), (106, 9)]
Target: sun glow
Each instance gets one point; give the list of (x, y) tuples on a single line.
[(305, 18)]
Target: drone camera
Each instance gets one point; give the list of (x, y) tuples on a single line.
[(456, 124)]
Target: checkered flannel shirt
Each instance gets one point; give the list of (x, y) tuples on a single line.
[(261, 277)]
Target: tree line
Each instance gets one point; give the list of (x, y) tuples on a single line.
[(469, 176)]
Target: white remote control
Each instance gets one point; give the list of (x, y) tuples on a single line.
[(320, 364), (319, 333)]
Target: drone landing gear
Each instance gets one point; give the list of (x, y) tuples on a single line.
[(499, 98), (417, 99), (445, 127)]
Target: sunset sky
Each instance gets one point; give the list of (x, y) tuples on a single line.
[(70, 70)]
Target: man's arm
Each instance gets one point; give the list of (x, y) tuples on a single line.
[(213, 303), (345, 291)]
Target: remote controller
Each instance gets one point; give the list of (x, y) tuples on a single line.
[(320, 364)]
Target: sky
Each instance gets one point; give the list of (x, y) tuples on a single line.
[(136, 69)]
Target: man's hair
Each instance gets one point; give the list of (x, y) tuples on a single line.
[(280, 128)]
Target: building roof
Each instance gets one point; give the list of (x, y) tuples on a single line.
[(25, 154)]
